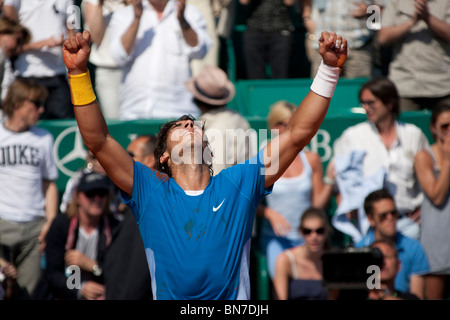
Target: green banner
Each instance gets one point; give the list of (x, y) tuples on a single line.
[(70, 152)]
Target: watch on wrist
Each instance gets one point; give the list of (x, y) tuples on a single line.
[(96, 270), (184, 24)]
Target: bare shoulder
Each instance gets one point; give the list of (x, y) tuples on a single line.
[(313, 158)]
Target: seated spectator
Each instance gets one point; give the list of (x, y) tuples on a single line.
[(299, 188), (298, 270), (433, 170), (126, 240), (382, 213), (389, 270), (91, 165), (374, 154), (80, 238), (142, 149)]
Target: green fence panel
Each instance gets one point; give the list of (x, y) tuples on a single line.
[(70, 151), (254, 97)]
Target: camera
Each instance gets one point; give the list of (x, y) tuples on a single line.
[(348, 268)]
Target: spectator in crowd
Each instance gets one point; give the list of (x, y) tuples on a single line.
[(142, 149), (229, 134), (154, 42), (348, 18), (389, 270), (419, 31), (28, 192), (212, 56), (433, 171), (108, 74), (200, 224), (224, 12), (12, 37), (374, 154), (379, 206), (78, 240), (126, 240), (300, 187), (268, 38), (91, 165), (298, 271), (41, 59)]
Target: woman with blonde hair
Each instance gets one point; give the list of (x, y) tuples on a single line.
[(300, 187)]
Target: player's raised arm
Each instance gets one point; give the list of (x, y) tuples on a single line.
[(308, 117), (116, 161)]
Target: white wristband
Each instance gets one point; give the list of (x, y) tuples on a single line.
[(325, 80)]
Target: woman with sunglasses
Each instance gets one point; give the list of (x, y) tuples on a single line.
[(298, 271), (433, 171), (301, 186)]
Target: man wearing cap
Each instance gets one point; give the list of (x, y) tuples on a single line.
[(196, 227), (229, 133), (80, 239)]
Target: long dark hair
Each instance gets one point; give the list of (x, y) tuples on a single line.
[(436, 111), (385, 90)]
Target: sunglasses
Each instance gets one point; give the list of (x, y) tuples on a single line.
[(307, 231), (369, 103), (38, 103), (444, 126), (99, 192), (383, 215)]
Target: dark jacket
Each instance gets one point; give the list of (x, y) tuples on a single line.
[(55, 249), (126, 271)]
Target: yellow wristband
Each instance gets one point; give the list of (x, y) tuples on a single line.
[(81, 89)]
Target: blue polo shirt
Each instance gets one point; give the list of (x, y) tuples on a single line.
[(411, 254), (198, 247)]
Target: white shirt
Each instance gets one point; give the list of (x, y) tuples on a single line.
[(230, 137), (398, 160), (100, 55), (44, 19), (159, 65), (26, 158)]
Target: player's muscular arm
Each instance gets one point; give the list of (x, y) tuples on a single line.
[(115, 159)]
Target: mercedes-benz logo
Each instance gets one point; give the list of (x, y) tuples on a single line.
[(69, 149)]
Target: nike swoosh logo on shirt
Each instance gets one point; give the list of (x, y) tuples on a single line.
[(218, 207)]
